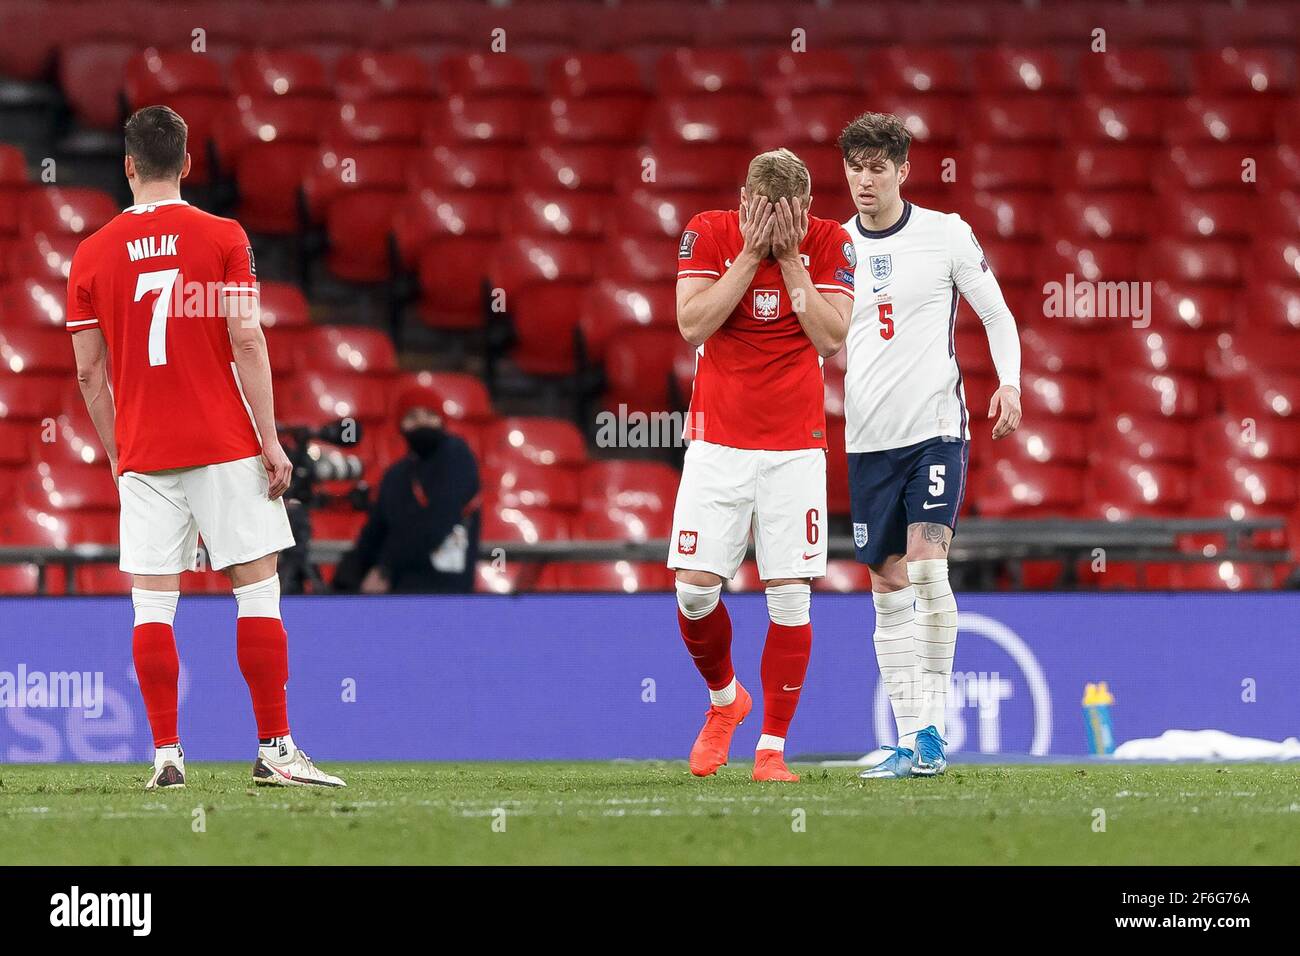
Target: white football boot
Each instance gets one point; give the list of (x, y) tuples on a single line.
[(168, 769), (281, 764)]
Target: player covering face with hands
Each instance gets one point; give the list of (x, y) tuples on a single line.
[(763, 293), (187, 457)]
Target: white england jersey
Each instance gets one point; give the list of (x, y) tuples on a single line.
[(903, 385)]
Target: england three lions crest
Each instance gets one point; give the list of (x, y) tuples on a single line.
[(882, 267)]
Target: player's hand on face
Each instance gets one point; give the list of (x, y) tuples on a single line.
[(756, 220), (787, 233), (278, 469), (1005, 407)]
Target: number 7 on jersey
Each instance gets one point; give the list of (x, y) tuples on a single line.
[(162, 283)]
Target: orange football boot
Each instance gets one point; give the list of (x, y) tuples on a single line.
[(714, 742), (770, 765)]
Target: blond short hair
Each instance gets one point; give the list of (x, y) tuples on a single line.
[(778, 174)]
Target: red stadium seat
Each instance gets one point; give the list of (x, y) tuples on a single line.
[(1005, 215), (693, 166), (1095, 261), (15, 438), (1268, 487), (687, 70), (27, 350), (477, 120), (592, 74), (998, 167), (318, 398), (528, 485), (1117, 489), (347, 348), (429, 215), (1106, 167), (1129, 71), (639, 368), (1061, 395), (801, 122), (607, 120), (715, 118), (452, 271), (46, 255), (1220, 120), (525, 525), (637, 486), (34, 396), (627, 577), (1014, 119), (845, 577), (334, 525), (650, 212), (485, 74), (603, 521), (1117, 119), (1198, 166), (546, 441), (101, 579), (1242, 72), (930, 119), (637, 260), (1203, 215), (1183, 306), (68, 439), (1257, 351), (555, 212), (283, 306), (1142, 439), (1104, 217), (83, 65), (376, 123), (383, 75), (1275, 259), (20, 579), (1157, 395), (1041, 441), (1264, 439), (463, 397), (570, 168), (898, 69), (1004, 70), (1156, 351), (289, 74), (1250, 396), (786, 73), (485, 168), (33, 303), (1014, 489), (612, 308), (1203, 262), (62, 487), (68, 210), (1271, 305), (1050, 347)]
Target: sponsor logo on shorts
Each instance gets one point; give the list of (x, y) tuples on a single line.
[(767, 303), (686, 541), (859, 534)]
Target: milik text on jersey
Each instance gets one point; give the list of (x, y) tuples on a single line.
[(150, 246)]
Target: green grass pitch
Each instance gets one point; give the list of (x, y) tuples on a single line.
[(654, 813)]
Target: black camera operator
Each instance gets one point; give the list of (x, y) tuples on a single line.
[(422, 535)]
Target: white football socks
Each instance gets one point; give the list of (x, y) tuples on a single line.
[(936, 637), (894, 639)]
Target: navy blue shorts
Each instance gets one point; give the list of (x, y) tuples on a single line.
[(888, 490)]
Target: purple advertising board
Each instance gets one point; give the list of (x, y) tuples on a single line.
[(606, 676)]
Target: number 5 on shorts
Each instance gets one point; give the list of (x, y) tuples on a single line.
[(936, 479), (160, 282)]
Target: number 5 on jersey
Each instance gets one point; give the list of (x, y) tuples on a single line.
[(162, 283), (886, 320)]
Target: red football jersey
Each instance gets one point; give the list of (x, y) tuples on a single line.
[(758, 378), (151, 279)]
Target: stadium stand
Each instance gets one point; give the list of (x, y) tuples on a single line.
[(501, 225)]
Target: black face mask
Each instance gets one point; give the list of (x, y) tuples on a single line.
[(424, 441)]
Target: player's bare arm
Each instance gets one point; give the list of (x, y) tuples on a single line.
[(91, 351), (825, 318), (703, 304), (244, 321)]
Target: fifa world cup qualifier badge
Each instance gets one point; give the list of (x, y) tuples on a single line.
[(252, 265), (687, 244)]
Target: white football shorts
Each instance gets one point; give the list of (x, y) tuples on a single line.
[(727, 492), (164, 512)]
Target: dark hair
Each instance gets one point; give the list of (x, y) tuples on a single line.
[(155, 139), (874, 135)]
